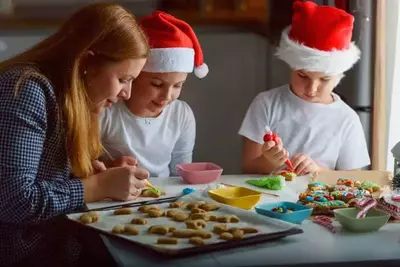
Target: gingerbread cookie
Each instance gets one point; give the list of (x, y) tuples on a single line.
[(198, 241), (195, 204), (89, 217), (123, 211), (197, 210), (316, 186), (154, 213), (188, 233), (228, 219), (345, 181), (289, 176), (209, 206), (160, 229), (220, 228), (152, 192), (146, 208), (370, 186), (176, 204), (226, 236), (196, 224), (180, 216), (139, 221)]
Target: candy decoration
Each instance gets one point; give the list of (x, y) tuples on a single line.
[(282, 209), (396, 198), (270, 136), (325, 221), (365, 204)]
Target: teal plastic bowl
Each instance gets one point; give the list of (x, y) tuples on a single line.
[(373, 221), (299, 214)]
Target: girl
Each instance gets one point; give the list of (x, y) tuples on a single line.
[(153, 126), (50, 99), (315, 125)]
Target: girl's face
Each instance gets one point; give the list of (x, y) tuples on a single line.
[(315, 87), (111, 82), (152, 92)]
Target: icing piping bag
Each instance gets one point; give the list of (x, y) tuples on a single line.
[(270, 136)]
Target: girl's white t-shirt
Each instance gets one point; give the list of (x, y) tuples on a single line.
[(159, 144), (330, 134)]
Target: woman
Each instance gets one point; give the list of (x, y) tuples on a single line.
[(319, 130), (50, 99), (154, 128)]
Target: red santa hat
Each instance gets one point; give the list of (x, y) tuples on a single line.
[(174, 45), (319, 39)]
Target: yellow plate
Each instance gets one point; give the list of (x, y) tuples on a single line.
[(240, 197)]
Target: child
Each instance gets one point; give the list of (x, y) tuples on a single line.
[(153, 126), (318, 130)]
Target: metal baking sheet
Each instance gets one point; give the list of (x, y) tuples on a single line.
[(268, 228)]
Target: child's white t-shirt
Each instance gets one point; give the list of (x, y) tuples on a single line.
[(159, 144), (331, 135)]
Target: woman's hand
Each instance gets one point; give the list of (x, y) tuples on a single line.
[(120, 183), (122, 162), (303, 164)]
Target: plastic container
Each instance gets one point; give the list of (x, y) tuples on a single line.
[(373, 221), (299, 214), (199, 172), (240, 197)]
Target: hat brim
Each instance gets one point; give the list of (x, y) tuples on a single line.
[(301, 57)]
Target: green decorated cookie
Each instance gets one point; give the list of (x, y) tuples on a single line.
[(370, 186)]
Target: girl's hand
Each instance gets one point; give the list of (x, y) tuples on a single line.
[(98, 166), (275, 154), (303, 164)]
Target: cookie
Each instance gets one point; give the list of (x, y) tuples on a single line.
[(220, 228), (237, 234), (160, 229), (180, 216), (198, 241), (315, 186), (197, 210), (209, 206), (89, 217), (167, 241), (176, 204), (123, 211), (130, 230), (370, 186), (196, 224), (345, 181), (140, 221), (154, 213), (249, 230), (188, 233), (226, 236), (289, 176), (228, 219), (195, 204), (118, 229), (146, 208), (172, 212), (200, 216)]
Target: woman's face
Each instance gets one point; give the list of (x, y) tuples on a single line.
[(111, 82), (314, 87), (152, 92)]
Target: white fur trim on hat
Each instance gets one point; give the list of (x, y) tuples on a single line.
[(176, 59), (299, 56), (201, 71)]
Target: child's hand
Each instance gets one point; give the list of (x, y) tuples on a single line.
[(98, 166), (303, 164), (276, 155)]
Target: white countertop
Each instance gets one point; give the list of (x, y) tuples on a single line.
[(315, 245)]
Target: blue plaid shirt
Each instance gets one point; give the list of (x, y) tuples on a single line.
[(35, 180)]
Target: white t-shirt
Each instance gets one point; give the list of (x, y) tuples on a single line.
[(159, 144), (331, 135)]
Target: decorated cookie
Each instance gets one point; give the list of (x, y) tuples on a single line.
[(316, 186), (289, 176), (152, 192), (341, 187), (370, 186), (346, 182)]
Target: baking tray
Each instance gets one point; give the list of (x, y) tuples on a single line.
[(269, 229)]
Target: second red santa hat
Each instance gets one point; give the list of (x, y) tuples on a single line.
[(319, 39), (174, 45)]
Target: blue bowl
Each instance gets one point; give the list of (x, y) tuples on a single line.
[(299, 214)]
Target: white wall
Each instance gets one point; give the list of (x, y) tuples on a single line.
[(392, 76)]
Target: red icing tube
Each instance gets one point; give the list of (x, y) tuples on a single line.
[(270, 136)]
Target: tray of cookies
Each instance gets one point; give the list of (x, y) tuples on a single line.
[(191, 224)]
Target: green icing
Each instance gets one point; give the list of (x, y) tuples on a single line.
[(270, 182), (153, 190), (368, 184)]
